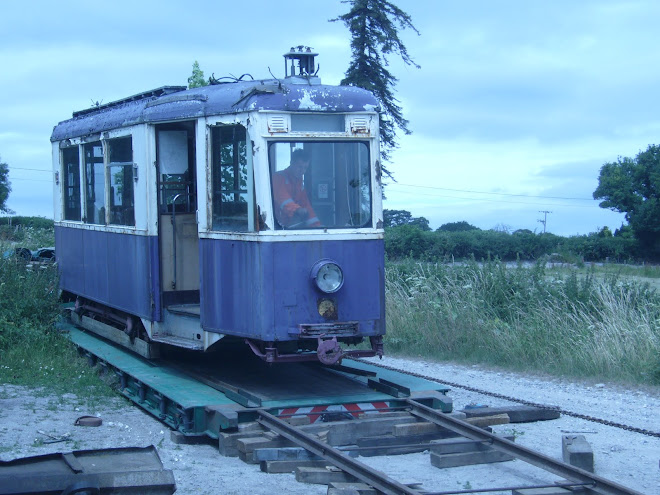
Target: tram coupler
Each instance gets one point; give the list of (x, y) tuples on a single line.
[(329, 351)]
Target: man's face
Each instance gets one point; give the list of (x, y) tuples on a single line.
[(298, 168)]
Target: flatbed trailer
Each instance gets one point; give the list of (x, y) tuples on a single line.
[(201, 397)]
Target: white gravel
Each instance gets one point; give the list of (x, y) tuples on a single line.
[(630, 459)]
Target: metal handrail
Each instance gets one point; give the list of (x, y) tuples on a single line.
[(173, 220)]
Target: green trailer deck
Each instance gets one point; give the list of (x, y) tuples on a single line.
[(201, 394)]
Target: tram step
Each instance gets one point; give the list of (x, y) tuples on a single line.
[(185, 309), (178, 341)]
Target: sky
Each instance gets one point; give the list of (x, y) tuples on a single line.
[(516, 106)]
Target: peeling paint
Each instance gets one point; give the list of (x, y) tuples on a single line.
[(307, 103)]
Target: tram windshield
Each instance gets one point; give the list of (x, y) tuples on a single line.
[(320, 185)]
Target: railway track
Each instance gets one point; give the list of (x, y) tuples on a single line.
[(207, 407), (517, 400), (576, 478)]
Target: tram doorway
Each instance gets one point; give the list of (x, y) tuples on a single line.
[(177, 213)]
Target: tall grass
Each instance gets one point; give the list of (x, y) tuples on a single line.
[(32, 351), (523, 318)]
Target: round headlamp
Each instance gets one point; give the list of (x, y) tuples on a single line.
[(328, 276)]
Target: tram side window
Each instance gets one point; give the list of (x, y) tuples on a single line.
[(229, 178), (71, 182), (94, 183), (122, 203)]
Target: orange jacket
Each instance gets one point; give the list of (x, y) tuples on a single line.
[(290, 197)]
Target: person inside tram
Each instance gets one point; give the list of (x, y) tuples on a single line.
[(292, 206)]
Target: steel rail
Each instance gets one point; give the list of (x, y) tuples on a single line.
[(598, 485), (376, 479)]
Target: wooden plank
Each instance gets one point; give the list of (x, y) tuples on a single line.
[(469, 458), (284, 454), (341, 488), (322, 476), (481, 421), (461, 445), (517, 414), (288, 466)]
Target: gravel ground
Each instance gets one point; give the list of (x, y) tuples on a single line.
[(630, 459)]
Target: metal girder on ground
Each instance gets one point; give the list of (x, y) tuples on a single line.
[(596, 484)]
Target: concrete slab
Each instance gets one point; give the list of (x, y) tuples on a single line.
[(577, 452)]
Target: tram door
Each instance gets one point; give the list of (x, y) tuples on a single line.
[(177, 206)]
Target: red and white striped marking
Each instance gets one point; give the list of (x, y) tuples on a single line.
[(315, 412)]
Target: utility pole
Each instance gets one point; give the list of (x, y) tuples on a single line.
[(545, 218)]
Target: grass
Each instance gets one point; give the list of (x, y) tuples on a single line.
[(642, 273), (26, 236), (32, 352), (581, 323)]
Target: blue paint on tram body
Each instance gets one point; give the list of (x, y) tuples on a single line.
[(263, 290), (110, 268)]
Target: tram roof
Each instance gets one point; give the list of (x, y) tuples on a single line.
[(172, 103)]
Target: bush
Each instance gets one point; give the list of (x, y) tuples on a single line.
[(407, 241)]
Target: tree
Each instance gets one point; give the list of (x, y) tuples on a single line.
[(196, 80), (421, 223), (462, 226), (374, 26), (393, 218), (396, 218), (632, 186), (5, 187)]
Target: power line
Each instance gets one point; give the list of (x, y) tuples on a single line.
[(32, 169), (498, 200), (486, 192), (33, 180)]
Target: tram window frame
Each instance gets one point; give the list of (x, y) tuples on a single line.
[(231, 181), (71, 195), (94, 170), (340, 198), (121, 181)]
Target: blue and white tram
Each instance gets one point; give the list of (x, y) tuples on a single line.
[(249, 209)]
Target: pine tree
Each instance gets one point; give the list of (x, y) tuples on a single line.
[(374, 27), (197, 79)]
